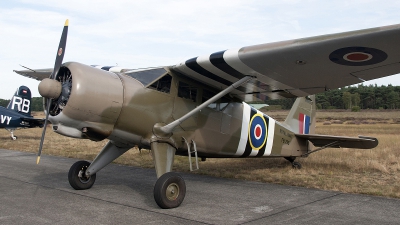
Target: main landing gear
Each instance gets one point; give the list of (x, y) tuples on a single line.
[(295, 165), (169, 191)]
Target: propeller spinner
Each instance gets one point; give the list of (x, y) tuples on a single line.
[(50, 88)]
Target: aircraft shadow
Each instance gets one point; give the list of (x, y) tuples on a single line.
[(114, 183)]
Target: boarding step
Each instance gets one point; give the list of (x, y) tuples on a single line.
[(193, 144)]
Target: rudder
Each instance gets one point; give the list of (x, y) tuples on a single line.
[(21, 101), (301, 118)]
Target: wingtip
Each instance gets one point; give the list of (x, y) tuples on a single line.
[(66, 23), (38, 160)]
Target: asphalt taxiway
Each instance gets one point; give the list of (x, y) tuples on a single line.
[(41, 194)]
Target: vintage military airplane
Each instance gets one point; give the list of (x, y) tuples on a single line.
[(18, 112), (198, 107)]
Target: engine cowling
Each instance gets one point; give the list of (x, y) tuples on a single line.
[(89, 102)]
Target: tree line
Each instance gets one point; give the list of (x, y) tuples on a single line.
[(353, 97)]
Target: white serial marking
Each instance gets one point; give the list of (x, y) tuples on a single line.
[(21, 103), (4, 118)]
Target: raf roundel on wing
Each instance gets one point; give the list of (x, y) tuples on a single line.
[(357, 56)]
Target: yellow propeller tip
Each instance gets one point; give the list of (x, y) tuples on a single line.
[(66, 22), (38, 160)]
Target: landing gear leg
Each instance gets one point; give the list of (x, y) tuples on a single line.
[(83, 174), (295, 165), (12, 135), (170, 188)]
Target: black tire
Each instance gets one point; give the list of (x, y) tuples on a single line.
[(296, 165), (169, 191), (14, 138), (80, 183)]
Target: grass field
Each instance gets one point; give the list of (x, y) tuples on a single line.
[(375, 171)]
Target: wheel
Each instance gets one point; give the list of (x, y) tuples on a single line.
[(77, 178), (169, 191), (14, 138), (296, 165)]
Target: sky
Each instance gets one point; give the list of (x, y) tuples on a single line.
[(137, 33)]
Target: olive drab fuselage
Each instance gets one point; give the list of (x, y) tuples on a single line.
[(122, 109)]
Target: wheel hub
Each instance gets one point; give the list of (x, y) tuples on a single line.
[(83, 178), (172, 191)]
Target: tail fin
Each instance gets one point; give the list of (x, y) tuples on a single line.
[(21, 101), (301, 118)]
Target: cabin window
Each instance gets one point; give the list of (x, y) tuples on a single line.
[(163, 84), (207, 95), (219, 105), (187, 91), (146, 76)]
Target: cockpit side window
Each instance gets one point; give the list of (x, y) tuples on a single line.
[(187, 91), (163, 84), (146, 76), (207, 95), (219, 105)]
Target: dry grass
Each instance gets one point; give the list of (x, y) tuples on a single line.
[(375, 171)]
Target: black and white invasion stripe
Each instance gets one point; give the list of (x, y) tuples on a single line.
[(221, 69)]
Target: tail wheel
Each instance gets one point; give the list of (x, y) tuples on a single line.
[(296, 165), (169, 191), (77, 178)]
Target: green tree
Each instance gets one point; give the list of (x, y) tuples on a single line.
[(347, 100), (355, 99), (393, 100), (4, 103), (37, 104)]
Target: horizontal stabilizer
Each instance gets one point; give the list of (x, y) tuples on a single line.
[(361, 142), (33, 122)]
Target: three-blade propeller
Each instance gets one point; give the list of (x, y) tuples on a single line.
[(57, 66)]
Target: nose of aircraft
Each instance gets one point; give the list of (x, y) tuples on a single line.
[(49, 88)]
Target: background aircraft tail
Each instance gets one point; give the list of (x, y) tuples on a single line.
[(21, 101), (301, 118)]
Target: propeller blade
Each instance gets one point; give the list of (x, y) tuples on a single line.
[(44, 131), (57, 66), (60, 51)]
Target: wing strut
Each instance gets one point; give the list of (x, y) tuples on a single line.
[(167, 129)]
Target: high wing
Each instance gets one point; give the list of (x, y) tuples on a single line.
[(294, 68), (301, 67), (361, 142), (38, 74)]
